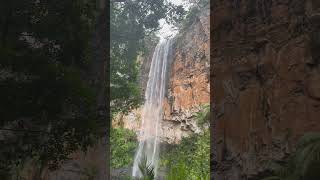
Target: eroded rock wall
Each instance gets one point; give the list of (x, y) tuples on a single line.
[(187, 84), (266, 82)]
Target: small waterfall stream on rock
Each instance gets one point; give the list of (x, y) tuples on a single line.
[(152, 110)]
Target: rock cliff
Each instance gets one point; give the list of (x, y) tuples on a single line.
[(266, 74), (188, 82)]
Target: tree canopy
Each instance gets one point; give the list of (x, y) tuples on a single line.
[(46, 103), (132, 22)]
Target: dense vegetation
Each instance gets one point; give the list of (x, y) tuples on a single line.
[(133, 23), (133, 27), (47, 105), (190, 158), (123, 146), (195, 8), (48, 95)]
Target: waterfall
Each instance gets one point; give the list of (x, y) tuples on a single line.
[(152, 110)]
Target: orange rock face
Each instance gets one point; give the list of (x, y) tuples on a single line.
[(188, 84), (189, 74), (266, 82)]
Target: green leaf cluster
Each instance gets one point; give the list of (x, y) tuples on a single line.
[(196, 7), (203, 116), (123, 145), (190, 157)]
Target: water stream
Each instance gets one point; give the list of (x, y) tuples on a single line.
[(152, 110)]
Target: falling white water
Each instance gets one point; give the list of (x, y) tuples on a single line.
[(152, 110)]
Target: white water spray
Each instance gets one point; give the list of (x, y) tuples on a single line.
[(152, 110)]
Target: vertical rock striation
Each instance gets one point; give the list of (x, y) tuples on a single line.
[(265, 58), (188, 85)]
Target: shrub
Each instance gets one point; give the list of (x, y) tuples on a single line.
[(123, 145)]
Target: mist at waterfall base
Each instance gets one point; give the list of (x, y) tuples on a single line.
[(152, 111)]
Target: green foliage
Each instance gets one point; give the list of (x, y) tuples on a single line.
[(129, 23), (304, 164), (123, 145), (178, 172), (196, 7), (132, 25), (193, 150), (203, 116), (46, 102), (146, 169), (175, 14)]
